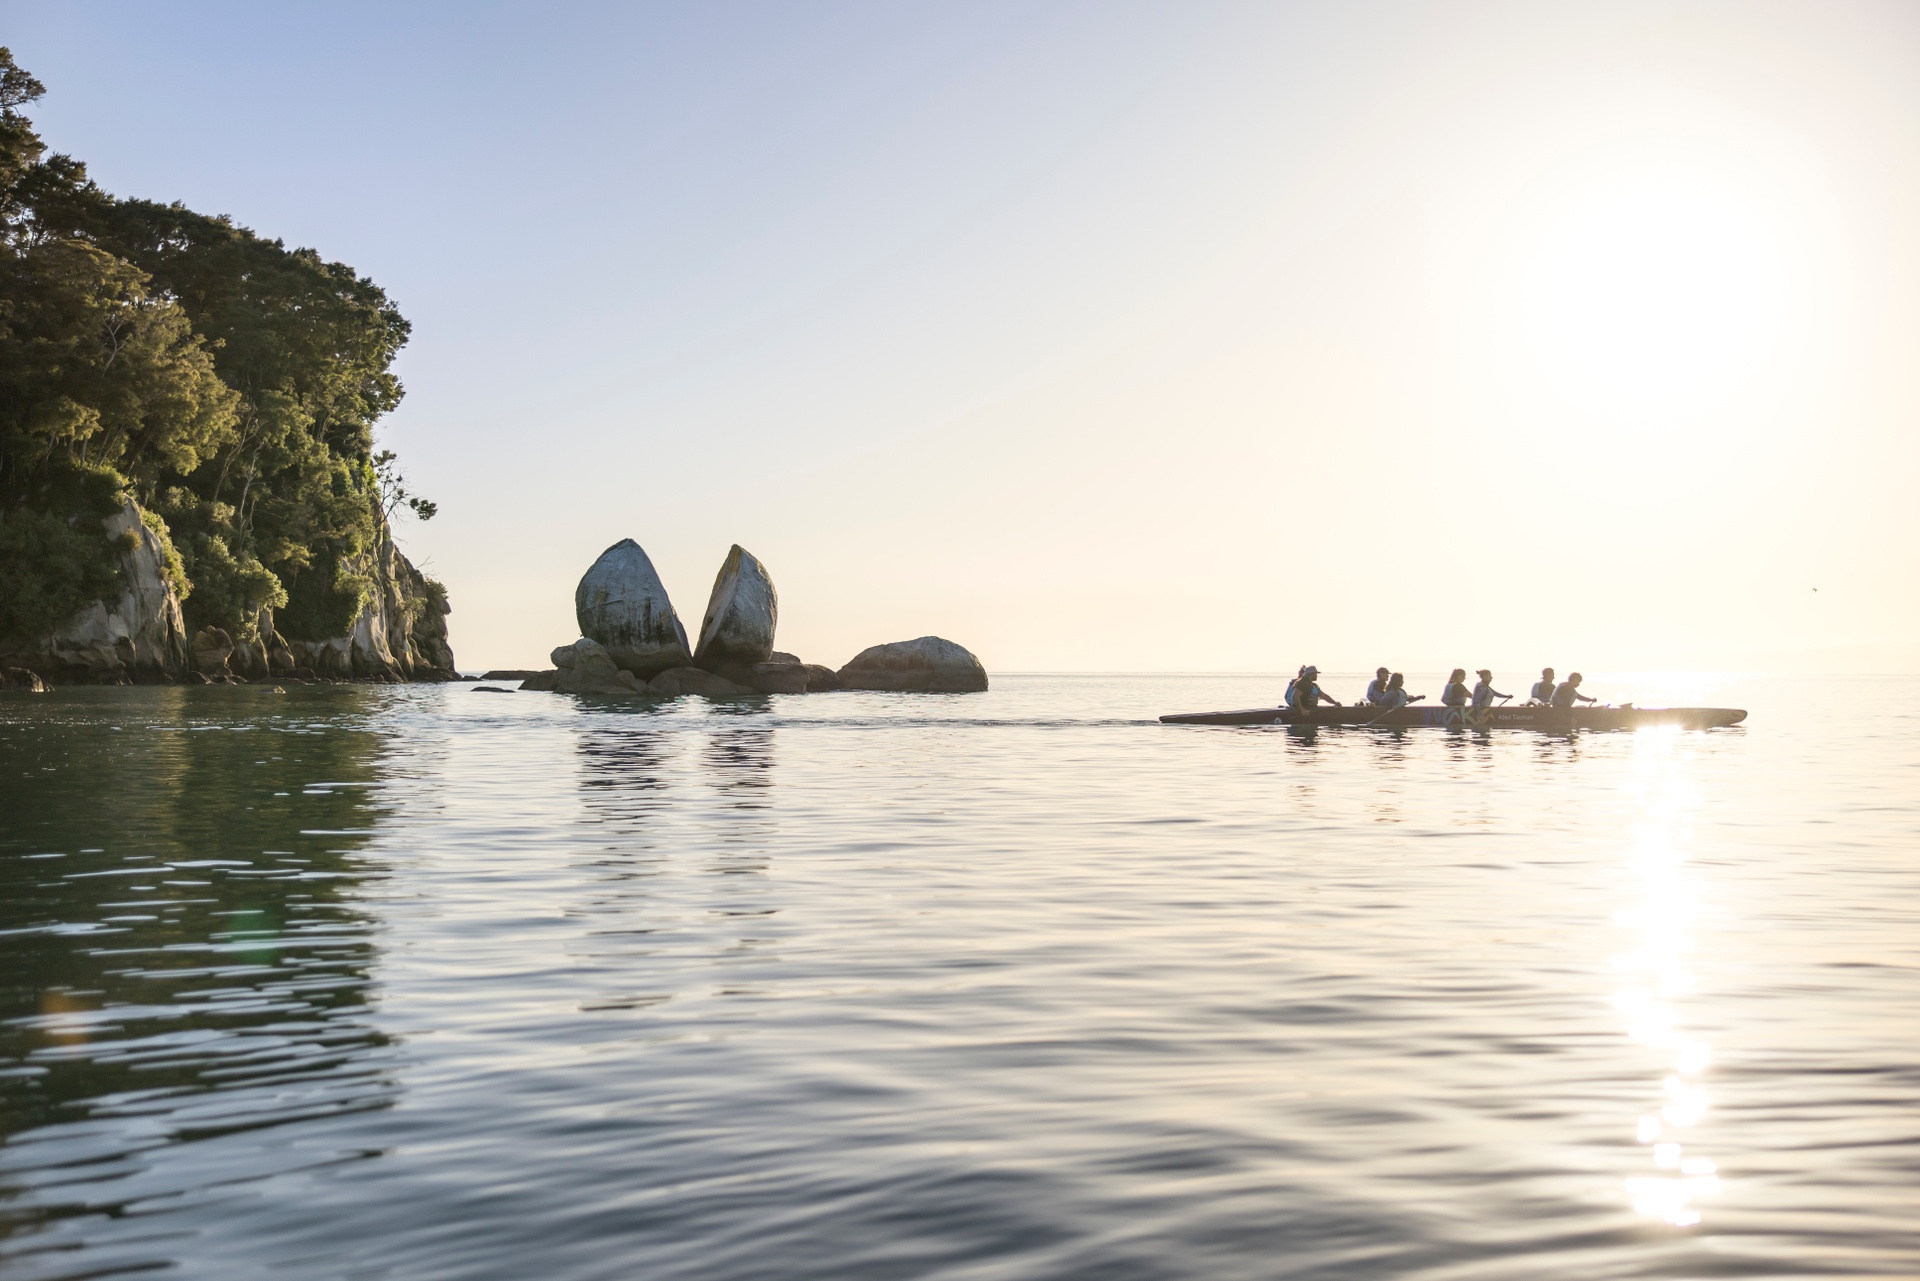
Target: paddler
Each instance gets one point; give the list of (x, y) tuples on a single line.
[(1483, 695), (1377, 688), (1455, 698), (1568, 693), (1542, 691), (1396, 695), (1305, 693)]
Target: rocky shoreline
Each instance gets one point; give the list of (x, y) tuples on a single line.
[(141, 638), (633, 643)]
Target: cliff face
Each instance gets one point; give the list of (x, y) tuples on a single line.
[(400, 634), (139, 636)]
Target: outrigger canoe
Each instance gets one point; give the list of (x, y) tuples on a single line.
[(1553, 719)]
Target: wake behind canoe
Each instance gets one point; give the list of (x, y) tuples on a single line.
[(1547, 718)]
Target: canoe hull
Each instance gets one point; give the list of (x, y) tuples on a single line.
[(1544, 718)]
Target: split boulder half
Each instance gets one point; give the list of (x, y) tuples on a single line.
[(737, 633), (622, 606), (927, 665)]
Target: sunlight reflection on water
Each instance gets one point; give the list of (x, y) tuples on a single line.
[(1659, 978)]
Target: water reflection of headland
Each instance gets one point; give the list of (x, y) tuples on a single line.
[(185, 954)]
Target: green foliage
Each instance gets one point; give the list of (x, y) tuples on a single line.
[(323, 603), (55, 555), (176, 569), (233, 382)]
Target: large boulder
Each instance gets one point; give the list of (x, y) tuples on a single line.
[(927, 665), (737, 631), (691, 680), (622, 605), (211, 649), (585, 667), (821, 679)]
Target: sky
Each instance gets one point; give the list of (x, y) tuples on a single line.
[(1105, 336)]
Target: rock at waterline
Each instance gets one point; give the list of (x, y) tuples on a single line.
[(926, 665), (737, 631), (691, 680), (585, 667), (821, 679), (778, 678), (505, 674), (211, 649), (542, 681), (622, 605), (21, 679)]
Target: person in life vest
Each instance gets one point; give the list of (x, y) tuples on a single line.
[(1483, 695), (1305, 693), (1455, 698), (1568, 693), (1377, 688), (1542, 691), (1396, 695)]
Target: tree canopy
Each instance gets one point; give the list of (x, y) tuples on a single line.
[(227, 383)]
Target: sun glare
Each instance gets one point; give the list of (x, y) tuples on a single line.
[(1669, 292), (1654, 295)]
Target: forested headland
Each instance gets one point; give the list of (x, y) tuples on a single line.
[(224, 384)]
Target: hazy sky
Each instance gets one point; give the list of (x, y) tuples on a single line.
[(1104, 336)]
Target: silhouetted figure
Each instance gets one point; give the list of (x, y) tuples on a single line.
[(1568, 694), (1396, 693), (1455, 697), (1377, 688), (1484, 693), (1305, 693), (1542, 691)]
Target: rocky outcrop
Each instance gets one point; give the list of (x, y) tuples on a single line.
[(585, 667), (140, 636), (399, 635), (742, 613), (821, 679), (692, 680), (778, 678), (621, 604), (211, 649), (19, 678), (927, 665)]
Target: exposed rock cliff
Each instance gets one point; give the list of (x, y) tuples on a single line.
[(138, 636), (400, 634)]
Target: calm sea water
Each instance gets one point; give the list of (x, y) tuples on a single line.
[(422, 983)]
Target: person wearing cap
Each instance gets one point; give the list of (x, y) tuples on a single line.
[(1483, 695), (1542, 691), (1305, 693), (1377, 688), (1568, 693)]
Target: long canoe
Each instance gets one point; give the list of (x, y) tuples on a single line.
[(1553, 719)]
